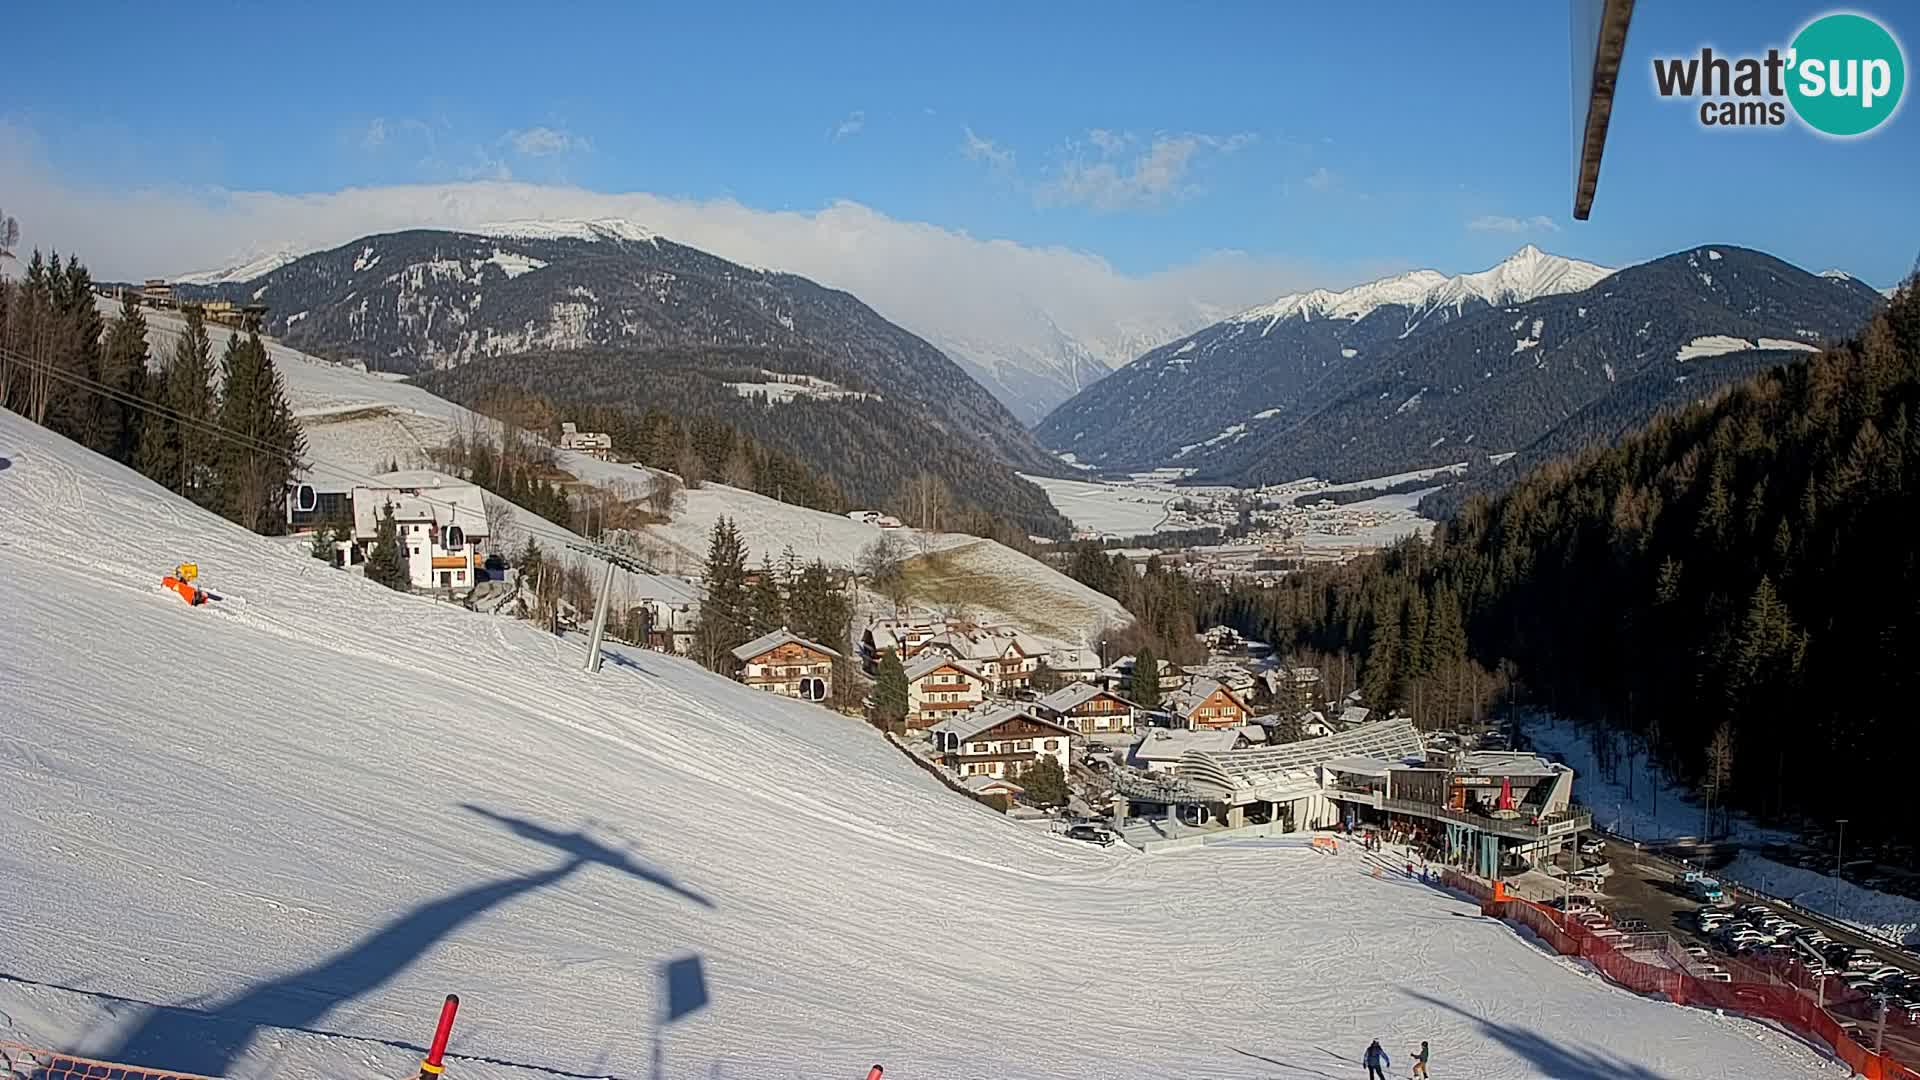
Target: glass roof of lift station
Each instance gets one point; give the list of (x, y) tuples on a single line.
[(1290, 770)]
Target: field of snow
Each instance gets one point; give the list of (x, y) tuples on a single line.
[(1119, 509), (263, 839)]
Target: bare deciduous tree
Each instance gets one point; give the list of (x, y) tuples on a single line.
[(1719, 769)]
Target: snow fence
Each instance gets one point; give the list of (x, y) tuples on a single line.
[(25, 1063), (1636, 966)]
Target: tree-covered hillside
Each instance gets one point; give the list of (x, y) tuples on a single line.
[(1740, 571)]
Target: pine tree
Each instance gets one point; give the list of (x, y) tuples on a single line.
[(387, 563), (723, 611), (766, 611), (890, 690), (177, 448), (817, 609), (259, 459), (123, 366), (322, 543), (1146, 680)]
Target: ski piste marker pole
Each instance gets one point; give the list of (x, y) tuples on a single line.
[(433, 1066)]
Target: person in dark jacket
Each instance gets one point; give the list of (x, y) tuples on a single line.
[(1377, 1062), (1420, 1061)]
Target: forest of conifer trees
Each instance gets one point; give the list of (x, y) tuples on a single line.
[(1740, 573), (219, 433)]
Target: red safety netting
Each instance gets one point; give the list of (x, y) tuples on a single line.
[(1779, 991), (26, 1063)]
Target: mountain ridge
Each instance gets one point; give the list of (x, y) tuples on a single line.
[(1254, 396)]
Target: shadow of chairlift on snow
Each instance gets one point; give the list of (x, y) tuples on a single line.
[(208, 1039), (1553, 1055)]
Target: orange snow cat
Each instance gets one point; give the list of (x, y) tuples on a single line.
[(182, 581)]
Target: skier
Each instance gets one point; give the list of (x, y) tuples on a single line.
[(1420, 1061), (1377, 1062)]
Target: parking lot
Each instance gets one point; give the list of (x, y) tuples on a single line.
[(1648, 887)]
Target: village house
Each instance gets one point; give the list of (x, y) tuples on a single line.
[(1073, 664), (1299, 687), (903, 637), (1206, 705), (1118, 676), (1001, 741), (1089, 710), (784, 663), (594, 444), (663, 611), (441, 523), (997, 791), (1005, 657), (939, 686)]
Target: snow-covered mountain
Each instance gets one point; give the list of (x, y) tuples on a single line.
[(254, 267), (618, 298), (1419, 369), (1029, 357), (1269, 358), (1527, 273)]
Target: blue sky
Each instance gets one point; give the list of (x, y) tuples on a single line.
[(1341, 137)]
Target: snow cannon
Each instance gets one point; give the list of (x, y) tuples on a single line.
[(182, 581)]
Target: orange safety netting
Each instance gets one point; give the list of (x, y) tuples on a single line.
[(1649, 966), (27, 1063)]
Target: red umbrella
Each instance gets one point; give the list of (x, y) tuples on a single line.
[(1506, 793)]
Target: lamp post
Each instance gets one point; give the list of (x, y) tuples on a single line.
[(1839, 858)]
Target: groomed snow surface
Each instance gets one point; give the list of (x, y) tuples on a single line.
[(262, 839)]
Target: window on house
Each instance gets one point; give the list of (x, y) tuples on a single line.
[(1050, 744), (446, 579), (1023, 744)]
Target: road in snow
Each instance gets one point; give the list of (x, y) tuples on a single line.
[(303, 815), (1656, 808)]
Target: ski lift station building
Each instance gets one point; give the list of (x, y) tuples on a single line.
[(1483, 811)]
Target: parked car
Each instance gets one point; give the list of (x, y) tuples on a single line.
[(1592, 847), (1092, 834)]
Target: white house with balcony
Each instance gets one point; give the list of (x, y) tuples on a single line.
[(441, 523)]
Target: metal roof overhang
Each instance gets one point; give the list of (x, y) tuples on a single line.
[(1594, 86)]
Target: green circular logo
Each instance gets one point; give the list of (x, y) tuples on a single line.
[(1846, 76)]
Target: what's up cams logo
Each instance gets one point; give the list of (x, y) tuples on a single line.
[(1842, 76)]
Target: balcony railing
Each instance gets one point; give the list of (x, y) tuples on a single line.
[(1559, 823)]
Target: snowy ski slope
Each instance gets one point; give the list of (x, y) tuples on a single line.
[(302, 815), (355, 421)]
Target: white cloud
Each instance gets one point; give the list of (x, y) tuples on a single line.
[(1321, 179), (1110, 142), (1502, 223), (376, 133), (1157, 175), (982, 149), (544, 141), (851, 126), (942, 283)]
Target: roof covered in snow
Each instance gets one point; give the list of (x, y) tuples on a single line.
[(774, 640)]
